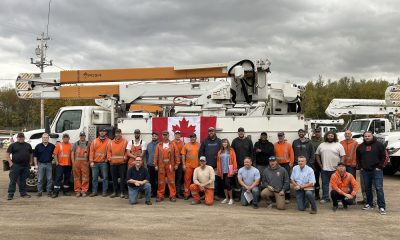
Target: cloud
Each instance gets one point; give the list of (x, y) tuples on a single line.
[(303, 39)]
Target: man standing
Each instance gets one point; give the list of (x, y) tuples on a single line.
[(370, 159), (117, 158), (275, 181), (43, 157), (303, 180), (166, 161), (328, 154), (316, 140), (22, 158), (249, 179), (190, 161), (243, 147), (344, 187), (138, 180), (350, 147), (203, 181), (209, 148), (150, 162), (98, 161), (62, 157), (303, 147), (179, 172), (285, 156), (263, 150), (80, 165), (135, 148)]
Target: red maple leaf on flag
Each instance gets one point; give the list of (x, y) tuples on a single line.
[(184, 127)]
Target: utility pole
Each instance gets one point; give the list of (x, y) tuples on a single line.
[(41, 63)]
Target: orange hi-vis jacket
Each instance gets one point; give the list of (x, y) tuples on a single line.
[(99, 150), (342, 185), (117, 151), (350, 148), (81, 153), (284, 153), (166, 156), (63, 153)]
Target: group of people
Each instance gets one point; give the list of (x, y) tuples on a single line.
[(212, 168)]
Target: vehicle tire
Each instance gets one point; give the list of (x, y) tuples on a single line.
[(32, 181)]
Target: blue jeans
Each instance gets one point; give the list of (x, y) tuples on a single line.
[(103, 167), (134, 192), (326, 178), (256, 195), (304, 196), (18, 173), (374, 176), (45, 169)]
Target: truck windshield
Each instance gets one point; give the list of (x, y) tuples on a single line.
[(359, 126)]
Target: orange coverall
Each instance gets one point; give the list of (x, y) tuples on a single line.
[(81, 167)]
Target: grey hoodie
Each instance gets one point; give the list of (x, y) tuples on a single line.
[(276, 177), (305, 149)]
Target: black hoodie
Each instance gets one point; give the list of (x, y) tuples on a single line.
[(370, 155)]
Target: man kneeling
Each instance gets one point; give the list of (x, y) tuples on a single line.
[(275, 181), (303, 180), (344, 187), (138, 180), (203, 181)]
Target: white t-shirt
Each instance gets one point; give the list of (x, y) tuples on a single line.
[(144, 144), (330, 154)]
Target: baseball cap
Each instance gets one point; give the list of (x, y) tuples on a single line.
[(20, 135), (193, 135), (317, 130), (82, 133), (65, 135), (137, 131), (211, 129), (264, 133), (118, 130), (272, 158), (281, 134), (165, 132), (240, 129), (103, 130), (177, 132), (203, 158), (301, 130)]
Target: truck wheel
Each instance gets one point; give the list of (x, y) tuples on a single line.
[(32, 181), (392, 168)]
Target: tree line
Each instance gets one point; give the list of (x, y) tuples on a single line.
[(20, 114)]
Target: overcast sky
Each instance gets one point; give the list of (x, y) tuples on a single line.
[(302, 39)]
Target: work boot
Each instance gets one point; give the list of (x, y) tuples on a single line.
[(317, 197), (195, 202), (159, 199), (186, 198), (49, 194), (334, 208), (26, 196), (66, 193), (104, 195), (10, 197), (93, 194), (149, 203), (77, 194), (113, 195), (84, 194), (55, 194), (313, 211), (173, 199), (122, 195), (255, 206), (39, 194)]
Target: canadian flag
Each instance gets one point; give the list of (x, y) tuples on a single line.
[(186, 125)]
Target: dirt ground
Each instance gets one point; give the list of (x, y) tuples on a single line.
[(106, 218)]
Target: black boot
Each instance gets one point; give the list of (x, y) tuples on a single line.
[(317, 197), (55, 193)]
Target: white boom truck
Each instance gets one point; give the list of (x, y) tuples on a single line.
[(383, 128), (237, 93)]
